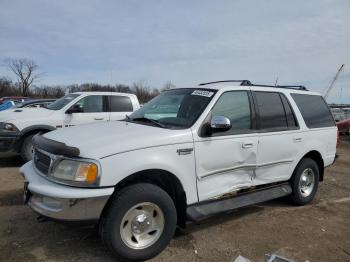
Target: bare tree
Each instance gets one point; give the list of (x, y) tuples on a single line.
[(122, 88), (25, 71), (141, 90), (168, 85)]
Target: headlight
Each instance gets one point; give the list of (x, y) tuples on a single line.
[(83, 173), (8, 127)]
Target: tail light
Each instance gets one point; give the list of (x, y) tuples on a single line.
[(338, 137)]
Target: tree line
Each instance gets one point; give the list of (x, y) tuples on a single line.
[(26, 72)]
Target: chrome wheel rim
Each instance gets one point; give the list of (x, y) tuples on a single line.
[(142, 225), (307, 182), (31, 151)]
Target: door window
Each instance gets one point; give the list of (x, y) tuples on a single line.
[(271, 111), (120, 104), (291, 119), (235, 106), (90, 104)]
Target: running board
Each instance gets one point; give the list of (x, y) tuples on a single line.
[(205, 209)]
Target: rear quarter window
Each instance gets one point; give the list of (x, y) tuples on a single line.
[(314, 110), (120, 104)]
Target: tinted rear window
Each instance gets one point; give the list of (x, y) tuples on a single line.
[(271, 111), (314, 110), (120, 104)]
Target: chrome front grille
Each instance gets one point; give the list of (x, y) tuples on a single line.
[(42, 162)]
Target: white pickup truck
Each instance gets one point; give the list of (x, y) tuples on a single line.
[(187, 154), (18, 126)]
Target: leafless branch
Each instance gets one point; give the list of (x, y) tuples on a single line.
[(25, 71)]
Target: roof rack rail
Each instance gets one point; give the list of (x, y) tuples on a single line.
[(248, 83), (243, 82), (284, 86)]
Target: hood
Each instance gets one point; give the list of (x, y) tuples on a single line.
[(103, 139), (16, 114)]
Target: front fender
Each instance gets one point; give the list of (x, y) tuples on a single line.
[(117, 167)]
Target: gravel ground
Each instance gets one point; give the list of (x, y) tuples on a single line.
[(317, 232)]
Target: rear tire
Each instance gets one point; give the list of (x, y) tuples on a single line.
[(139, 222), (304, 182), (27, 148)]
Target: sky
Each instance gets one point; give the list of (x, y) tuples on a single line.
[(185, 42)]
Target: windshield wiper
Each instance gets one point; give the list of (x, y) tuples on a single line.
[(145, 119)]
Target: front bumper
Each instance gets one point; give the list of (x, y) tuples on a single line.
[(61, 202), (8, 144)]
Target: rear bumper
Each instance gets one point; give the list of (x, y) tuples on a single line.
[(61, 202), (335, 158)]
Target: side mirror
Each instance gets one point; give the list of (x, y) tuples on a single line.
[(74, 109), (220, 124)]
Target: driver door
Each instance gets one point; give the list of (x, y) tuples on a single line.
[(90, 109), (225, 161)]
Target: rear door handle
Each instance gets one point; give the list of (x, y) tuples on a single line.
[(247, 144), (297, 139), (98, 118)]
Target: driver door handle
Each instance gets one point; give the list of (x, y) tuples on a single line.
[(247, 144), (297, 139), (98, 118)]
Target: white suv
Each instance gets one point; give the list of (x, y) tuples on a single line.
[(18, 126), (185, 155)]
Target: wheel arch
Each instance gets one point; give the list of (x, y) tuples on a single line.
[(165, 180), (33, 130), (317, 157)]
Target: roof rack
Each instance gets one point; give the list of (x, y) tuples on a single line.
[(288, 87), (248, 83), (243, 82)]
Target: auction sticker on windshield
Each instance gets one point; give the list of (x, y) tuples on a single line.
[(202, 93)]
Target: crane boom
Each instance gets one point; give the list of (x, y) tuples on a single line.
[(329, 89)]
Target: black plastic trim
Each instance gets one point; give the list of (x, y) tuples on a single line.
[(54, 147), (287, 87), (37, 127), (205, 209), (243, 82), (249, 83)]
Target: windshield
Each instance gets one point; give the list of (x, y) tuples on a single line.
[(177, 108), (62, 102)]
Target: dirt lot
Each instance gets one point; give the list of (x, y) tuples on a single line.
[(318, 232)]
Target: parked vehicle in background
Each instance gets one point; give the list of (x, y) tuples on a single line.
[(16, 99), (344, 126), (18, 126), (36, 103), (347, 113), (338, 114), (11, 101), (7, 105), (187, 154)]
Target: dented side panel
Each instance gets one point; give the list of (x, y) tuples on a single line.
[(224, 164)]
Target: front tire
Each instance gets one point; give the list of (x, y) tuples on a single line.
[(27, 148), (139, 223), (304, 182)]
